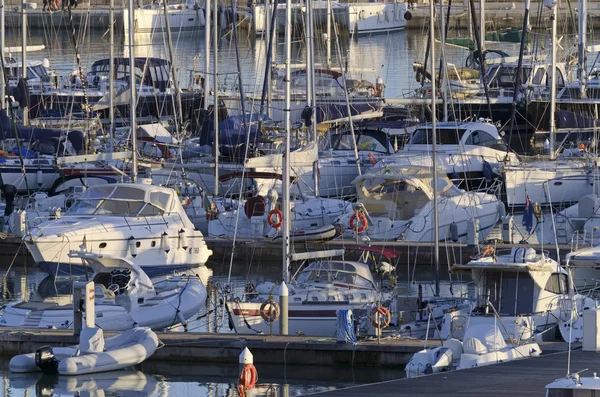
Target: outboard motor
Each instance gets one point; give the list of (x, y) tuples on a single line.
[(9, 192), (45, 360)]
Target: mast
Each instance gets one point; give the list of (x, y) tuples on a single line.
[(312, 97), (286, 155), (173, 70), (207, 25), (482, 24), (132, 89), (328, 34), (436, 232), (554, 82), (216, 95), (24, 55), (443, 66), (3, 85), (111, 79), (582, 30)]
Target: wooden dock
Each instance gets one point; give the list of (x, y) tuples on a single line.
[(523, 378)]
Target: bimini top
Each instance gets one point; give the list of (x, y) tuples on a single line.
[(126, 199)]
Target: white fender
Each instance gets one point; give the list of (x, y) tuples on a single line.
[(133, 246)]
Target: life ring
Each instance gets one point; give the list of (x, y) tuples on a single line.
[(362, 222), (247, 380), (487, 251), (384, 317), (269, 311), (275, 218)]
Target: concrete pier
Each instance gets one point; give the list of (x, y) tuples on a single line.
[(523, 378)]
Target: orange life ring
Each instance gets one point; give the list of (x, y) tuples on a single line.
[(362, 222), (269, 311), (275, 218), (487, 251), (247, 379), (384, 317)]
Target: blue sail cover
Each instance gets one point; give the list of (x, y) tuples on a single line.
[(232, 131), (7, 131)]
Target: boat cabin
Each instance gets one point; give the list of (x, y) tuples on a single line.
[(368, 140), (460, 134), (348, 274), (574, 386), (152, 72), (516, 282), (126, 199)]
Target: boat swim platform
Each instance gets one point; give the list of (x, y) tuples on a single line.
[(226, 348), (523, 378)]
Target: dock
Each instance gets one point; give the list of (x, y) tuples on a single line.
[(523, 378), (225, 348)]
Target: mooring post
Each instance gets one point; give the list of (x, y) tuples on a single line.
[(284, 303)]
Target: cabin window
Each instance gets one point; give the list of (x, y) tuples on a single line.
[(557, 284), (153, 244), (573, 393), (366, 142), (480, 138), (102, 245), (446, 136), (511, 293), (149, 210)]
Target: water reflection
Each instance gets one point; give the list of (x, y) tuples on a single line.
[(199, 381)]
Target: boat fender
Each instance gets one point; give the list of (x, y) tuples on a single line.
[(39, 177), (488, 173), (384, 317), (454, 231), (362, 223), (46, 361), (164, 242), (275, 218), (133, 246), (501, 209), (407, 15), (183, 243), (269, 311)]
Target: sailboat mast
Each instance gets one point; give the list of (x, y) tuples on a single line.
[(3, 85), (24, 55), (132, 89), (111, 78), (582, 30), (286, 155), (216, 95), (482, 24), (207, 24), (179, 111), (554, 82), (436, 233)]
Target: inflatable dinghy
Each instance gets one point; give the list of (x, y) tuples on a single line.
[(93, 354)]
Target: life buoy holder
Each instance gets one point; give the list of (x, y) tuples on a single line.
[(487, 251), (362, 223), (275, 218), (384, 317), (269, 311), (247, 380)]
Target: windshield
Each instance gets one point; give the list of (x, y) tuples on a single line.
[(113, 208), (446, 136), (334, 272)]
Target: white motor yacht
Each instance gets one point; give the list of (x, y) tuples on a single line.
[(397, 202), (522, 290), (140, 222)]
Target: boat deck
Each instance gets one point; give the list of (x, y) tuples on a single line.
[(521, 378)]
